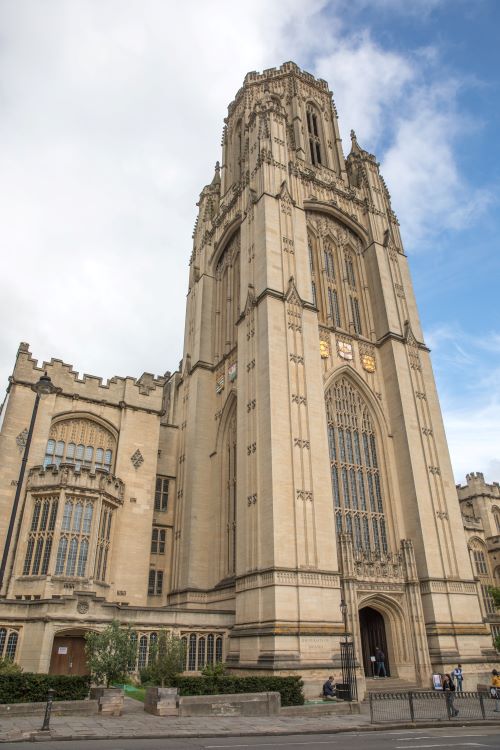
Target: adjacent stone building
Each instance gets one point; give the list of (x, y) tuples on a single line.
[(295, 461)]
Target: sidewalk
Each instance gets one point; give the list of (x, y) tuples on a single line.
[(137, 724)]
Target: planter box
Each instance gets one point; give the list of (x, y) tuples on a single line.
[(109, 700), (162, 701)]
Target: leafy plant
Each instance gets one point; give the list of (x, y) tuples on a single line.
[(290, 688), (7, 666), (167, 659), (110, 653)]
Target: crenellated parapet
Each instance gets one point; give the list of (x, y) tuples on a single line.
[(144, 392)]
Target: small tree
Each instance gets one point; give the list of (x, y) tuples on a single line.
[(110, 653), (214, 674), (495, 595), (167, 658)]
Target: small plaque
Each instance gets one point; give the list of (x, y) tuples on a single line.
[(62, 650), (219, 384), (232, 372)]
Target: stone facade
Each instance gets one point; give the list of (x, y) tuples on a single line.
[(296, 459)]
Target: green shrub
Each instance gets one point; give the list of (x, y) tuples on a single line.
[(27, 687), (7, 666), (290, 688), (146, 676)]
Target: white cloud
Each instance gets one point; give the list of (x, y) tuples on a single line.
[(110, 120)]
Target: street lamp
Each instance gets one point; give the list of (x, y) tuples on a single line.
[(343, 609), (43, 387)]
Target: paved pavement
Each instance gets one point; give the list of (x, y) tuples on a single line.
[(135, 723)]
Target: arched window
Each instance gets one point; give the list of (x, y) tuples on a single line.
[(76, 527), (192, 653), (355, 469), (8, 643), (229, 487), (227, 291), (81, 442), (143, 652), (314, 134), (41, 536)]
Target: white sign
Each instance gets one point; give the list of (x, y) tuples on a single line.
[(62, 650), (372, 658)]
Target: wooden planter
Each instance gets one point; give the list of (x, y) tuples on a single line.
[(109, 700), (162, 701)]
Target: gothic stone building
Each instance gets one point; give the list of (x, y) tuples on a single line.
[(295, 460)]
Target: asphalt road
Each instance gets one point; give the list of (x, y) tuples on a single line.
[(464, 738)]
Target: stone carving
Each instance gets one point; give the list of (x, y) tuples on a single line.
[(82, 608), (21, 440), (137, 459)]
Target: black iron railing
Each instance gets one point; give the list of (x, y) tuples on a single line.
[(432, 706)]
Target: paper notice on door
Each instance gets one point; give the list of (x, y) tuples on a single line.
[(62, 650)]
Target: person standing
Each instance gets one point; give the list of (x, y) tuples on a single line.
[(449, 691), (458, 676), (380, 662), (495, 689)]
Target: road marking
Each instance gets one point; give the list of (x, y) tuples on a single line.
[(271, 744), (439, 736), (449, 744)]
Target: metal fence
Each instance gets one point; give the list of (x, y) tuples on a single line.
[(432, 706)]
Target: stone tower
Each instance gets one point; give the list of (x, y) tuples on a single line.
[(313, 464)]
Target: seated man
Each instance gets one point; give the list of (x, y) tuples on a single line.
[(329, 690)]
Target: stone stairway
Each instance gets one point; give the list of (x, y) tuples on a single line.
[(389, 685)]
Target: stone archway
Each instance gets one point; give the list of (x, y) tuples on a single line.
[(373, 634), (68, 653)]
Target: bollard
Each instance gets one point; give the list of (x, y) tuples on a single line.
[(48, 709)]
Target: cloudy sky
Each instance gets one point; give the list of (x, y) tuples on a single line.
[(111, 115)]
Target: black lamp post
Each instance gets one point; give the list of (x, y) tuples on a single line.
[(42, 388), (348, 660)]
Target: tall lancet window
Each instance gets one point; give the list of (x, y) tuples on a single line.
[(314, 134), (355, 468), (229, 492)]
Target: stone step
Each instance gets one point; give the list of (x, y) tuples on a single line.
[(389, 685)]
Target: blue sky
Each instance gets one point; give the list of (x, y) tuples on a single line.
[(110, 120)]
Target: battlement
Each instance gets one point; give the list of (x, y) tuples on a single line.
[(288, 68), (476, 485), (145, 391)]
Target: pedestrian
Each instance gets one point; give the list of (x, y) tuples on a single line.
[(380, 662), (495, 689), (330, 689), (458, 676), (449, 691)]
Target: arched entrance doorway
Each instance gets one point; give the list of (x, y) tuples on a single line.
[(68, 653), (372, 627)]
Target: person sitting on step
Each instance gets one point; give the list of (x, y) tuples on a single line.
[(330, 690)]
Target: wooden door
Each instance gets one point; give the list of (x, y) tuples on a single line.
[(68, 655)]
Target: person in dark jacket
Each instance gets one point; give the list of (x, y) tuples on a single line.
[(329, 689), (380, 662), (449, 691)]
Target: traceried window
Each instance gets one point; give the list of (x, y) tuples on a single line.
[(227, 293), (73, 549), (158, 537), (8, 642), (103, 542), (314, 134), (161, 494), (355, 469), (488, 601), (480, 563), (81, 442), (41, 536), (202, 649), (356, 317)]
